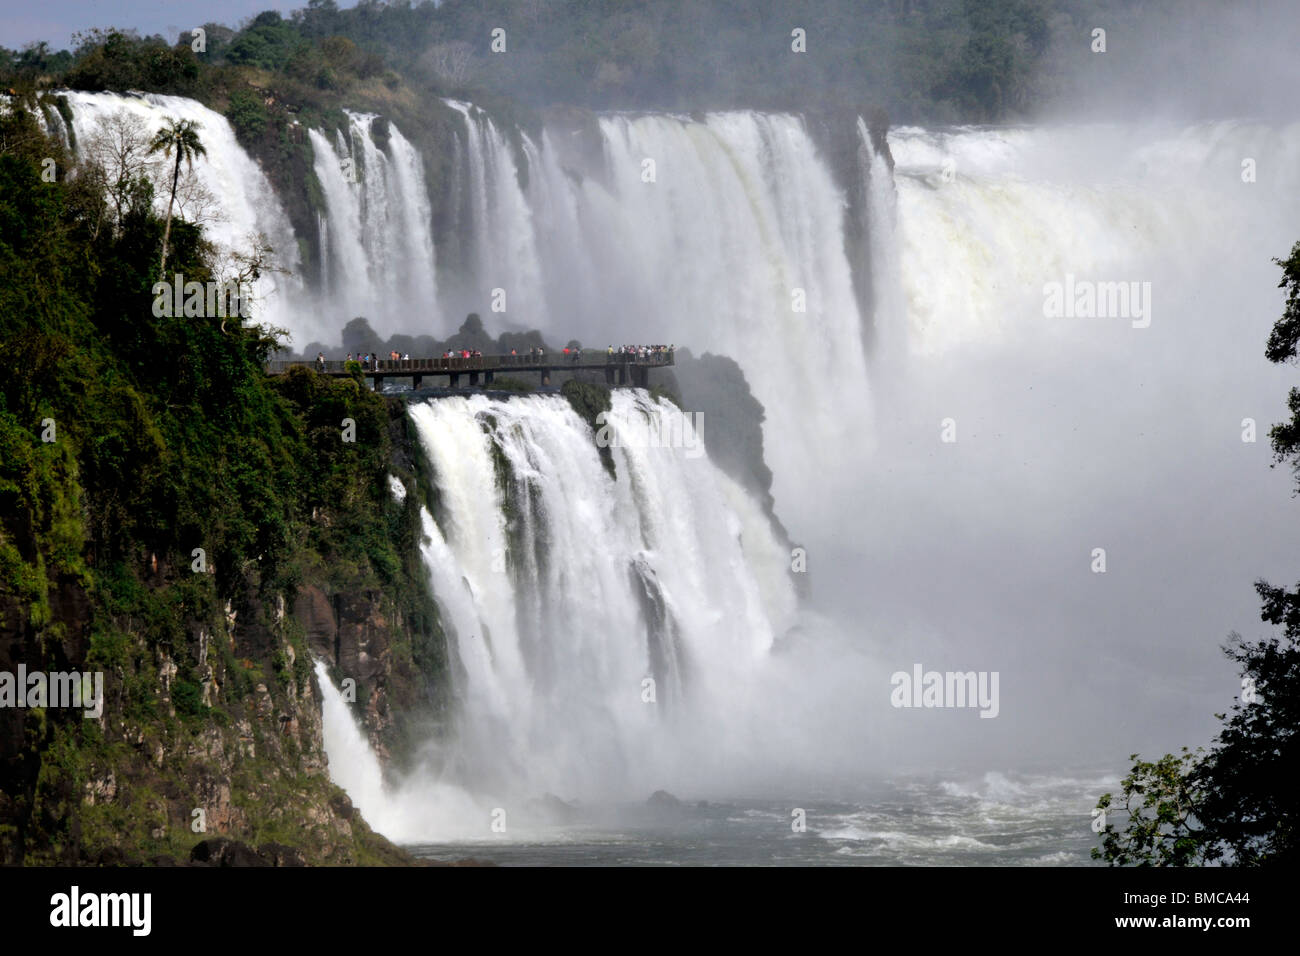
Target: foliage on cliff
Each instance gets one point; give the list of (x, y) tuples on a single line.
[(128, 442), (590, 400)]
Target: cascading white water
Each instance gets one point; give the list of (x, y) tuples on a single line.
[(964, 236), (503, 240), (377, 245), (881, 215), (987, 216), (742, 218), (353, 765), (431, 810), (563, 590), (734, 245), (244, 204), (54, 123)]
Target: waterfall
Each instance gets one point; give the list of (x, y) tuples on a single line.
[(432, 810), (735, 246), (52, 120), (352, 764), (564, 591), (1021, 207), (240, 201), (377, 248), (741, 229), (881, 213), (495, 214)]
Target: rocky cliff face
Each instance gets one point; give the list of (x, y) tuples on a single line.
[(351, 631), (217, 735), (211, 721)]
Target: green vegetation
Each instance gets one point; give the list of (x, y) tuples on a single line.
[(589, 399), (920, 60), (128, 441), (505, 383), (715, 386), (1231, 804), (181, 137)]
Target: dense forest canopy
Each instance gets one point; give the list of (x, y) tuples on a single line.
[(921, 60)]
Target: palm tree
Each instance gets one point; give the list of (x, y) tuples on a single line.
[(183, 137)]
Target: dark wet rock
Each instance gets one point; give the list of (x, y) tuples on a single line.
[(222, 852), (111, 856), (342, 806), (555, 809), (281, 855)]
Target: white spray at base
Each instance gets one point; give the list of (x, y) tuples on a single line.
[(565, 590), (402, 813), (564, 593), (353, 765)]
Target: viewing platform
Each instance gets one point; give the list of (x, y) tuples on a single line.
[(619, 368)]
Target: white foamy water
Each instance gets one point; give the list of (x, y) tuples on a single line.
[(499, 226), (742, 224), (565, 589), (1022, 207), (377, 232), (353, 765), (433, 810), (939, 819), (244, 203)]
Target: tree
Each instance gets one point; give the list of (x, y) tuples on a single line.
[(237, 270), (116, 157), (181, 136), (1250, 810), (1233, 804), (247, 114), (451, 62), (1162, 826), (1283, 346)]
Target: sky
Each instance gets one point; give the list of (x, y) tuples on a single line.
[(56, 20)]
